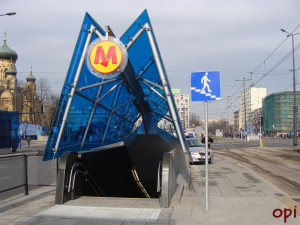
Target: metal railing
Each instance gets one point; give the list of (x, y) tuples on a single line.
[(14, 172), (80, 168), (158, 188), (25, 170)]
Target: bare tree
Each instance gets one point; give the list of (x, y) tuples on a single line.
[(220, 124), (49, 101), (256, 117), (20, 84), (50, 111), (43, 90), (194, 119)]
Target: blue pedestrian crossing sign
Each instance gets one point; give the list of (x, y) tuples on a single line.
[(205, 86)]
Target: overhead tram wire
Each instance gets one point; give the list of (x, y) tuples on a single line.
[(262, 63), (268, 72), (281, 61), (277, 64)]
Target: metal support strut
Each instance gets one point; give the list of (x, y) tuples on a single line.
[(166, 88), (74, 85)]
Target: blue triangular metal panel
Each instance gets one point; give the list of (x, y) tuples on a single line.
[(105, 114)]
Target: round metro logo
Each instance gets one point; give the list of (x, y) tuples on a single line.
[(105, 57)]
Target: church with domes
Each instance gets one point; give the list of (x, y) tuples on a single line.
[(14, 97)]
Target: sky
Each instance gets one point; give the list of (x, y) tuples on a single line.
[(239, 38)]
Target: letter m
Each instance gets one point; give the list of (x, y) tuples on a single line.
[(101, 58)]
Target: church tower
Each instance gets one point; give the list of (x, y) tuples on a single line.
[(8, 72), (31, 105), (14, 98)]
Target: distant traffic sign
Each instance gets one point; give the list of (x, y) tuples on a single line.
[(205, 86)]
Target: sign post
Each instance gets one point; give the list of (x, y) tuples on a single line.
[(205, 86), (206, 155)]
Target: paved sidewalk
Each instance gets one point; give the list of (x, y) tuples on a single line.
[(237, 196)]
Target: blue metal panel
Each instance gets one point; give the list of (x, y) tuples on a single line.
[(9, 129)]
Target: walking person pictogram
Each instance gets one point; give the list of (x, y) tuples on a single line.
[(204, 81)]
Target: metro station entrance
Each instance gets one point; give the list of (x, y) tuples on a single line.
[(106, 131)]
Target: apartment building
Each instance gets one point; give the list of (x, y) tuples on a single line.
[(251, 99)]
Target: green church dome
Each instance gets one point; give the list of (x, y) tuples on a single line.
[(6, 52), (11, 70), (30, 76)]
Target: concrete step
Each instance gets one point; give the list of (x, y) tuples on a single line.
[(115, 202)]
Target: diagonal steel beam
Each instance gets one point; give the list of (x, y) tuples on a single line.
[(91, 114), (74, 85), (152, 83), (155, 91), (97, 84), (111, 114), (167, 88), (107, 93), (145, 68)]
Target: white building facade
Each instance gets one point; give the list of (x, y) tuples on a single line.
[(182, 102), (251, 99)]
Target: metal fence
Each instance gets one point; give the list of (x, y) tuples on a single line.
[(14, 172), (24, 169)]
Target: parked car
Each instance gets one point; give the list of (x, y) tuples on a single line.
[(197, 150)]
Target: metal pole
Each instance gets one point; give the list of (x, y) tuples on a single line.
[(166, 87), (245, 113), (295, 109), (206, 155), (91, 114), (294, 95), (16, 94), (260, 132), (74, 85), (245, 108), (112, 112), (26, 175)]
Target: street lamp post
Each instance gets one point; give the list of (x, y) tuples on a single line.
[(8, 14), (245, 119), (294, 89), (15, 101)]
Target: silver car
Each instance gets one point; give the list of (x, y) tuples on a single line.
[(197, 150)]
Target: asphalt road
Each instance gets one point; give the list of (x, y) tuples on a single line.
[(278, 161)]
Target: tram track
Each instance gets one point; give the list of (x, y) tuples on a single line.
[(264, 171)]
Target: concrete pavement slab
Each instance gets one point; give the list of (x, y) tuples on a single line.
[(95, 215)]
